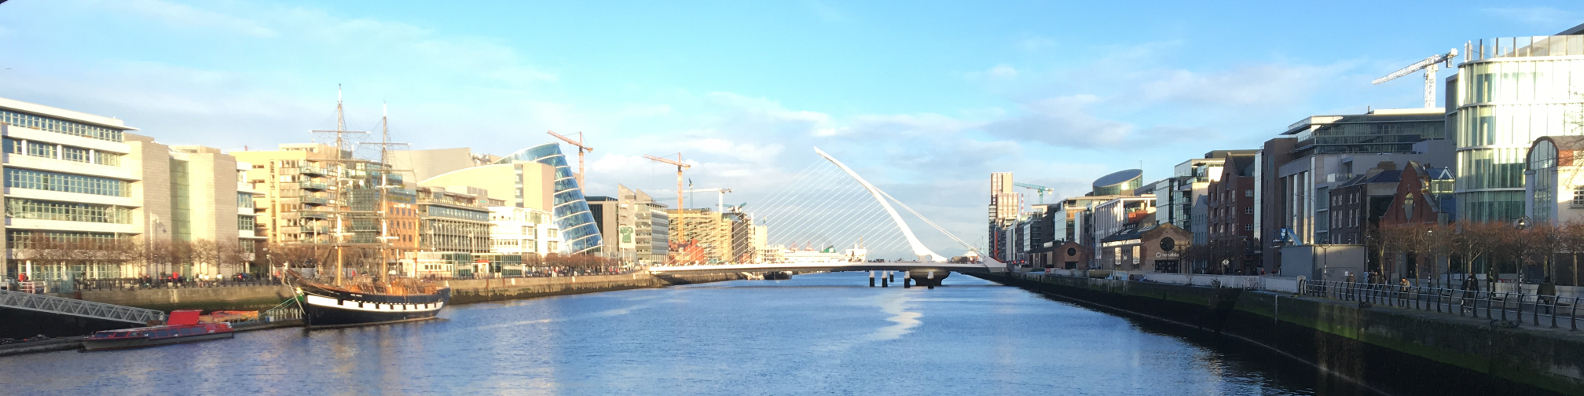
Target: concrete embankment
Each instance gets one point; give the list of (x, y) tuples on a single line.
[(1393, 350), (462, 291)]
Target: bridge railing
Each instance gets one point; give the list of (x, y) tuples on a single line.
[(75, 307)]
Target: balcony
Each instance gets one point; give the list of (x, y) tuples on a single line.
[(312, 170), (315, 201), (314, 215), (315, 186)]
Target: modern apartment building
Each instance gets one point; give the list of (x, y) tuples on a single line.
[(1298, 169)]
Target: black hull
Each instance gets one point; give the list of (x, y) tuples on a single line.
[(106, 345), (324, 308)]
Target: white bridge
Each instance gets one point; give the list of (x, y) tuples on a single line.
[(837, 215)]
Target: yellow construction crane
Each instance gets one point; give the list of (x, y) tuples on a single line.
[(680, 224), (582, 148)]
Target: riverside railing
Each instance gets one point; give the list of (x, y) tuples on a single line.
[(1506, 308)]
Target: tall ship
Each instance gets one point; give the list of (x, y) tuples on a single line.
[(356, 197)]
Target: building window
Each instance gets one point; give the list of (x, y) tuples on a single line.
[(66, 211), (1578, 196), (1248, 193), (60, 182), (1248, 227), (245, 223), (60, 126)]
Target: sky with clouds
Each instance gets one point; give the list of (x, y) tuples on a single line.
[(924, 98)]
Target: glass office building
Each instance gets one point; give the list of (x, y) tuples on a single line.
[(578, 230), (1511, 91)]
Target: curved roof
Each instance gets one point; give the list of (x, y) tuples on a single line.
[(1119, 177)]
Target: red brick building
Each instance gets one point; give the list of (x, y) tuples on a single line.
[(1231, 218)]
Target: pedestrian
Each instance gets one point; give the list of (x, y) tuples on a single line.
[(1402, 290), (1348, 290), (1470, 289), (1547, 294)]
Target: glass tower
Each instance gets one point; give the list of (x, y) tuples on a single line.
[(1511, 91), (578, 231)]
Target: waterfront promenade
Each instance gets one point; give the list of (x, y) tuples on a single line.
[(1349, 335)]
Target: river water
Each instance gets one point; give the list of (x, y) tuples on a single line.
[(813, 334)]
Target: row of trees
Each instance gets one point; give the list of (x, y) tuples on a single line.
[(156, 257), (1466, 245)]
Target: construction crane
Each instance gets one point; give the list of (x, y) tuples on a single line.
[(582, 148), (680, 224), (1041, 190), (720, 196), (1429, 65)]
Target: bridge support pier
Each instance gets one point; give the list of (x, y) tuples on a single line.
[(871, 278), (932, 282), (885, 282), (891, 275)]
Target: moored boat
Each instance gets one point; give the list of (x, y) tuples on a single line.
[(330, 306), (182, 327)]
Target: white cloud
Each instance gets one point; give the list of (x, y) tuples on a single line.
[(1003, 71)]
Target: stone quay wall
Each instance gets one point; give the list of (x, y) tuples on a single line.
[(1393, 350)]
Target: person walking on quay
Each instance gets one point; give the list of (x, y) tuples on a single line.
[(1402, 290), (1350, 287), (1546, 294), (1470, 289)]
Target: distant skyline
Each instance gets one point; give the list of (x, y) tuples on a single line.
[(926, 99)]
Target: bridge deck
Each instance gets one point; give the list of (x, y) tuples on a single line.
[(832, 267), (80, 308)]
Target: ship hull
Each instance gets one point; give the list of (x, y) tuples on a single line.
[(328, 308), (105, 345)]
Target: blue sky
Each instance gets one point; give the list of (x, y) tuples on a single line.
[(924, 98)]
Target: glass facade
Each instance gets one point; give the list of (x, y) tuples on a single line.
[(1513, 92), (571, 211), (61, 182), (60, 126), (22, 208), (1542, 160)]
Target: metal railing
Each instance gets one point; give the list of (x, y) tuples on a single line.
[(1504, 308), (74, 307), (286, 311), (166, 283)]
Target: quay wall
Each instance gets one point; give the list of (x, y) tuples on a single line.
[(1391, 350)]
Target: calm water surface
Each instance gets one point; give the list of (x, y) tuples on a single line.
[(814, 334)]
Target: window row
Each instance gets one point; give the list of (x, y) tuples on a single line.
[(245, 200), (33, 209), (60, 182), (60, 126), (443, 211), (246, 223), (56, 151), (1516, 125), (1525, 81), (26, 239)]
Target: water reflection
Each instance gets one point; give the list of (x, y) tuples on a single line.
[(812, 334)]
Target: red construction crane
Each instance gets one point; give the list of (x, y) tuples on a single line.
[(582, 148)]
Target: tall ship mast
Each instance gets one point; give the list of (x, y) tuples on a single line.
[(380, 297)]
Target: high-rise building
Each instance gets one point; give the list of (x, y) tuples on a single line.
[(1004, 207), (1510, 91)]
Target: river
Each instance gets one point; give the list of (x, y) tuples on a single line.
[(813, 334)]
